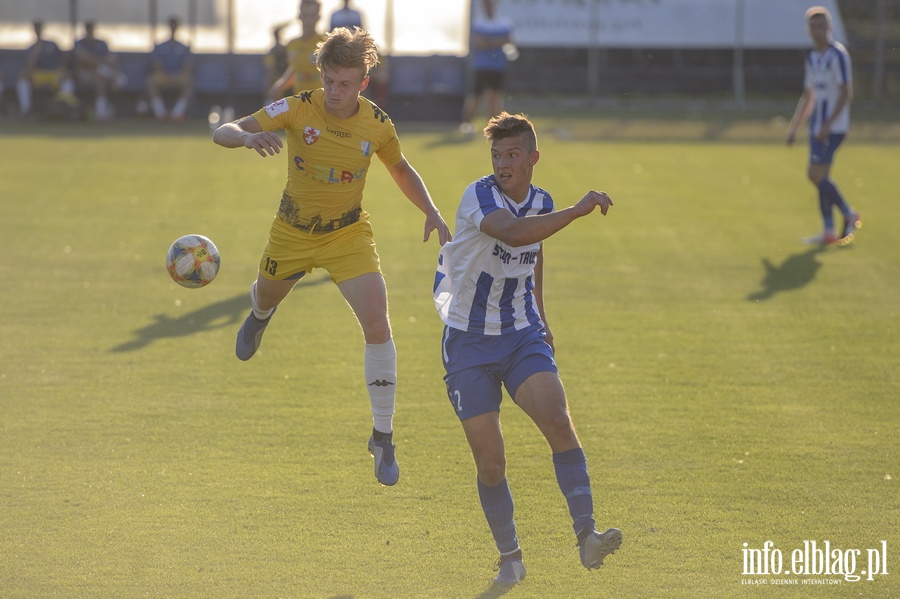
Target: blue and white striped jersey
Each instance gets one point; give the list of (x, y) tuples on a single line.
[(483, 285), (825, 72)]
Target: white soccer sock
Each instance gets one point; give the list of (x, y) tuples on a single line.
[(67, 87), (260, 314), (381, 381), (180, 108), (23, 88), (159, 107), (101, 108)]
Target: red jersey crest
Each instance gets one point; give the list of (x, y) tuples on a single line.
[(310, 135)]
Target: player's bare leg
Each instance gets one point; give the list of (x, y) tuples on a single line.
[(486, 441), (265, 295), (367, 296), (543, 398)]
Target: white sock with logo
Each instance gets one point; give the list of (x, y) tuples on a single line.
[(260, 314), (381, 381)]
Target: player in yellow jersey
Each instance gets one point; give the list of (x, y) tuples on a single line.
[(332, 134), (302, 73)]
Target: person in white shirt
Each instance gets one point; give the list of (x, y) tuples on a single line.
[(825, 101), (488, 292)]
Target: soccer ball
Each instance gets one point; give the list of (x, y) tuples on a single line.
[(193, 261)]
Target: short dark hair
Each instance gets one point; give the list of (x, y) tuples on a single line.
[(511, 125)]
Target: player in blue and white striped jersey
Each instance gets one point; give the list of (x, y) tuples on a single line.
[(827, 91), (488, 292)]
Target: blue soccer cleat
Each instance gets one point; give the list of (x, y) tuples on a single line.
[(387, 471), (852, 222), (596, 546), (250, 336)]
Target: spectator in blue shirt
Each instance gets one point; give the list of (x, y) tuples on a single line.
[(171, 69), (97, 70), (345, 17), (45, 69)]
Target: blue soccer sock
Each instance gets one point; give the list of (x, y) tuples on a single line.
[(826, 203), (497, 504), (575, 484), (829, 196), (837, 198)]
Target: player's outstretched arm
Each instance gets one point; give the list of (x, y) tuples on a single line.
[(246, 133), (502, 225)]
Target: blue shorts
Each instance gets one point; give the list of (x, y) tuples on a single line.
[(823, 152), (478, 365)]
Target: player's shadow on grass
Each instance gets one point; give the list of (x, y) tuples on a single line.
[(495, 590), (213, 316), (795, 272), (226, 313)]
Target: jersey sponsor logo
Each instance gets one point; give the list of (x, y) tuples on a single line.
[(337, 133), (311, 135), (366, 147), (505, 256), (324, 174), (276, 108)]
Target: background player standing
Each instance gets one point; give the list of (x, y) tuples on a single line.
[(490, 33), (302, 73), (489, 293), (332, 134), (827, 92)]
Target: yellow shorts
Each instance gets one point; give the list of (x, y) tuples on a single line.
[(45, 78), (346, 253)]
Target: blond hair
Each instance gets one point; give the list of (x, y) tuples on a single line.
[(818, 11), (345, 48)]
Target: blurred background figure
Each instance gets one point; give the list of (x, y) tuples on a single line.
[(345, 17), (825, 102), (490, 33), (276, 59), (301, 74), (171, 71), (97, 71), (45, 74)]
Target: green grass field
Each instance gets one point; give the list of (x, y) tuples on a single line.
[(730, 385)]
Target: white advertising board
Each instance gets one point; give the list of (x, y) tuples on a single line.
[(664, 23)]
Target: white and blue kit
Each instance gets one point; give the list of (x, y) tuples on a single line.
[(483, 291), (825, 73)]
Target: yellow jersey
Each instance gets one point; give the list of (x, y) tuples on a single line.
[(328, 158), (301, 55)]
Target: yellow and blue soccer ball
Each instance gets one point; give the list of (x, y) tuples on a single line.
[(193, 261)]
